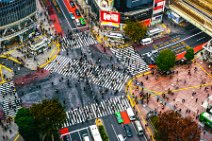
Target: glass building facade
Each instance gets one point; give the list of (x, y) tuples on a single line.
[(17, 20), (15, 10)]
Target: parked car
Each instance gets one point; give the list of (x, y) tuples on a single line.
[(118, 117), (77, 12), (82, 21), (85, 137), (72, 4), (77, 22), (120, 137), (72, 16), (128, 130), (66, 138)]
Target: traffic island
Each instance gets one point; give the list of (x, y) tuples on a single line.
[(6, 74), (35, 61), (105, 41)]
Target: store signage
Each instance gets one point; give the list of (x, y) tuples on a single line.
[(156, 1), (110, 18)]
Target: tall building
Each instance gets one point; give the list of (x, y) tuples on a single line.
[(17, 20), (149, 12)]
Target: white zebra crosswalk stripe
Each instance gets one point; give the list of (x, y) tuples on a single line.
[(9, 99), (99, 76), (128, 57), (79, 41), (94, 110)]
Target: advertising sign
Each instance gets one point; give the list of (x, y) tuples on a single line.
[(106, 5), (156, 1), (157, 19), (110, 18), (159, 6), (146, 22)]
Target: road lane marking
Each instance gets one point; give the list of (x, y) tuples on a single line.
[(16, 137)]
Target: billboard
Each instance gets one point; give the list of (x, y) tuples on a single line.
[(106, 5), (108, 18), (159, 6)]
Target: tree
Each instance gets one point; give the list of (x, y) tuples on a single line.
[(135, 30), (49, 115), (165, 60), (26, 125), (189, 54), (103, 133), (171, 126)]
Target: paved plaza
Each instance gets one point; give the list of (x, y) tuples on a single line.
[(188, 90)]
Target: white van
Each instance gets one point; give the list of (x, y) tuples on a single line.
[(131, 113), (77, 22), (85, 137), (115, 35), (138, 127), (120, 137), (146, 41)]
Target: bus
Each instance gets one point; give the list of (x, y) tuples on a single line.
[(154, 32), (206, 118), (115, 35), (146, 41), (95, 133)]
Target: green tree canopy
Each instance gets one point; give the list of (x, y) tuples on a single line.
[(171, 126), (165, 60), (135, 30), (189, 54), (49, 115), (26, 125)]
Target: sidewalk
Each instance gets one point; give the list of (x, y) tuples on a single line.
[(173, 92), (105, 41)]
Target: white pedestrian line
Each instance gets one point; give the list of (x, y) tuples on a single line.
[(132, 60), (9, 99), (94, 110), (79, 40), (100, 76)]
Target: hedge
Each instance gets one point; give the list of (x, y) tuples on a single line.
[(103, 133)]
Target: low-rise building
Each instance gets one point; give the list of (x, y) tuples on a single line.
[(38, 45)]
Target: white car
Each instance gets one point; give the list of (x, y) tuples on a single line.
[(120, 137), (72, 16), (77, 22)]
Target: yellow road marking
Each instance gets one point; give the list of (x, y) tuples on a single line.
[(204, 70), (50, 56), (1, 74), (143, 119), (129, 91), (16, 137), (3, 66)]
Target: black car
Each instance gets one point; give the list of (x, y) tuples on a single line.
[(77, 12), (66, 138), (128, 130), (72, 4)]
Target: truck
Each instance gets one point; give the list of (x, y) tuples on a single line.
[(95, 133), (131, 114)]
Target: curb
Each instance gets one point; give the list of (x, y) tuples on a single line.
[(51, 58)]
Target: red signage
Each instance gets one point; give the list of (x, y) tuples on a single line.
[(63, 131), (107, 16), (158, 7), (156, 1), (146, 22)]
